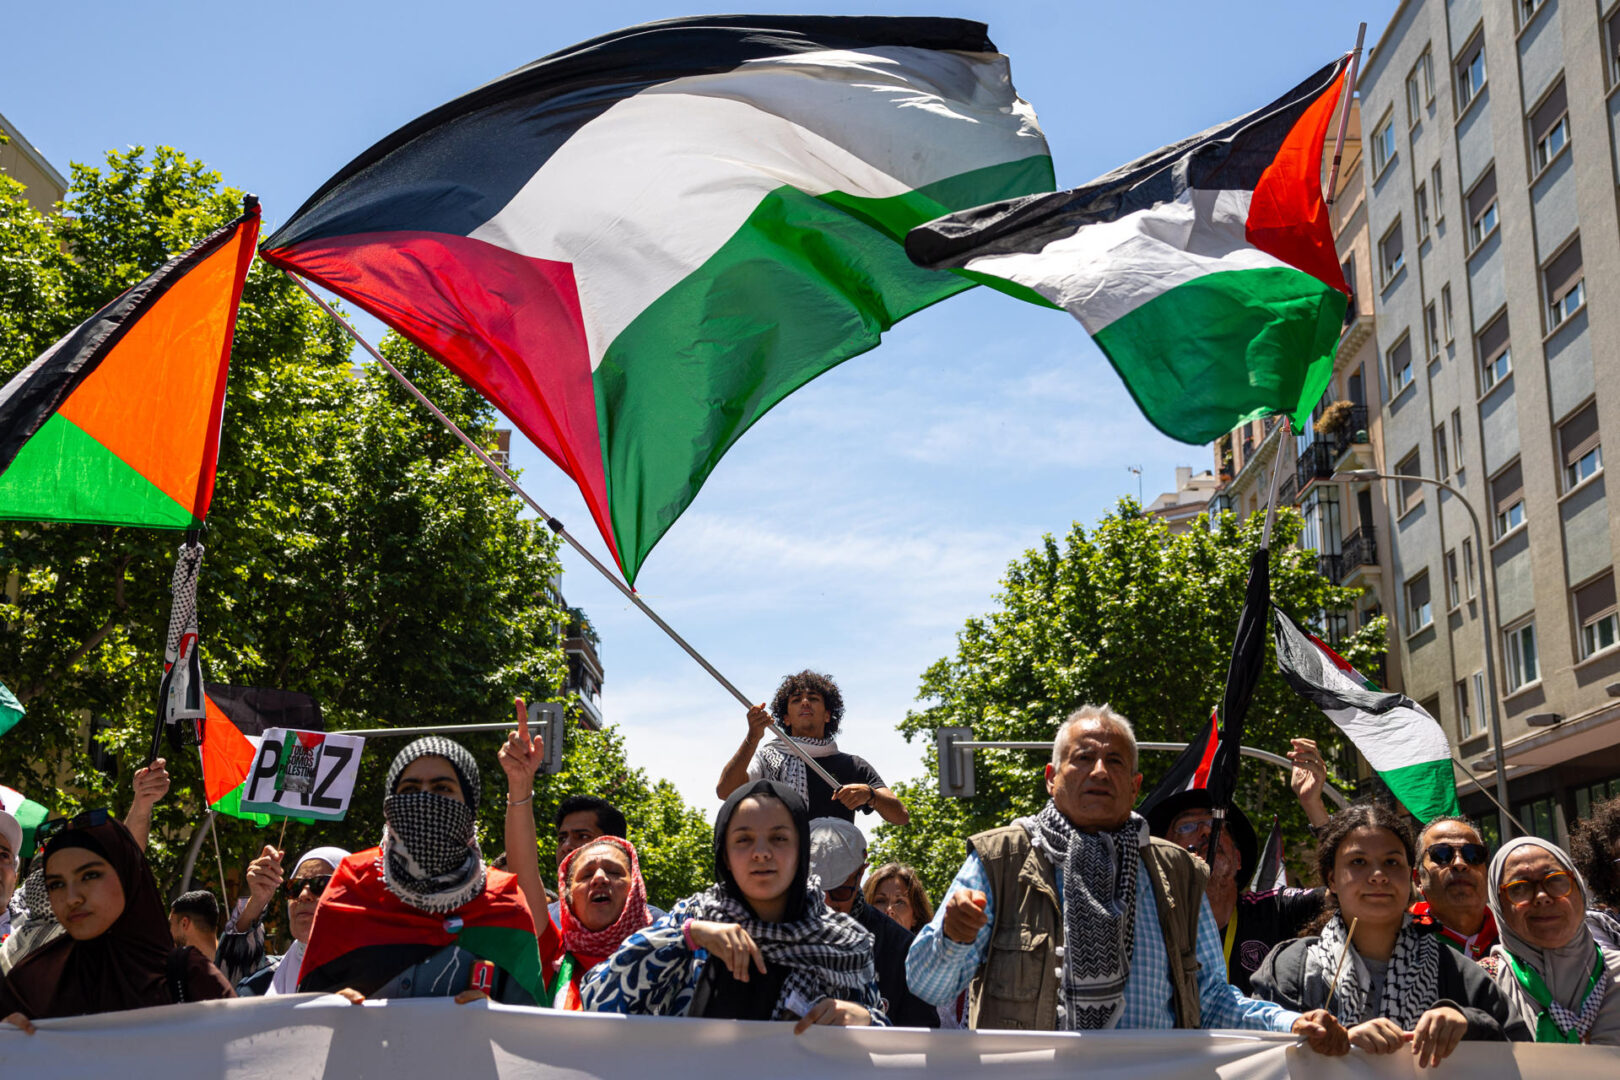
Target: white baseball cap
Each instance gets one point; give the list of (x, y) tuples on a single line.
[(837, 850), (11, 829)]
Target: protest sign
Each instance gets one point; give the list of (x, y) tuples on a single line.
[(303, 774)]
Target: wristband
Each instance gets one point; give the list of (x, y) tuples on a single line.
[(519, 802), (686, 933)]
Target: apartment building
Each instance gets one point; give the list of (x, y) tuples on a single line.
[(1490, 175), (1180, 508), (21, 161)]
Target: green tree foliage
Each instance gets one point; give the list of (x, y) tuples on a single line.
[(355, 550), (1128, 614)]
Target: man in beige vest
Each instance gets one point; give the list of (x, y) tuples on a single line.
[(1076, 919)]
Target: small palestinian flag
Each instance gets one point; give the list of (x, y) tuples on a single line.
[(1403, 744), (1205, 271), (11, 710), (1272, 873), (29, 815), (118, 423), (637, 246), (236, 718), (1190, 770)]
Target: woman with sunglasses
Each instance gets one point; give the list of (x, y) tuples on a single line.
[(311, 874), (116, 951), (1397, 983), (1548, 965)]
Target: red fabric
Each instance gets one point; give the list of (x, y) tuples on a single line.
[(1200, 778), (1288, 217), (591, 947), (1423, 916), (357, 910), (510, 326)]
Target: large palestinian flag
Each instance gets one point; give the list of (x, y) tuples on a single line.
[(118, 423), (1403, 744), (235, 719), (1205, 271), (637, 246)]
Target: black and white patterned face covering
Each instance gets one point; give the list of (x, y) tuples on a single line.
[(430, 851)]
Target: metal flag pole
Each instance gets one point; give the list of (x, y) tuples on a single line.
[(557, 527), (1344, 113)]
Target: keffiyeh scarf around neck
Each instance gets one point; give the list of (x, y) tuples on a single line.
[(788, 768), (1411, 983), (430, 856), (1099, 913), (827, 953)]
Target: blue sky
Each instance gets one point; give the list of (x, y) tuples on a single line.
[(858, 525)]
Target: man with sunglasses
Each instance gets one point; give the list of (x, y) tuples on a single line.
[(838, 861), (302, 891), (1451, 874)]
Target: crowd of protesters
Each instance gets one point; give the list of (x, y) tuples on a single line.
[(1086, 916)]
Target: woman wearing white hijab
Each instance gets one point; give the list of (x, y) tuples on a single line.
[(1547, 963), (310, 876)]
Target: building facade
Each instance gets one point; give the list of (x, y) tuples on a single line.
[(20, 161), (1180, 508), (1493, 130)]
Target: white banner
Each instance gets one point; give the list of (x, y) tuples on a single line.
[(290, 1038), (303, 774)]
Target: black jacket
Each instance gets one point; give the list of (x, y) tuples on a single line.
[(890, 943), (1462, 984)]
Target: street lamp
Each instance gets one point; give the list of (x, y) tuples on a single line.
[(1498, 757)]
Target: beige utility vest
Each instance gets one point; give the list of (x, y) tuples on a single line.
[(1017, 986)]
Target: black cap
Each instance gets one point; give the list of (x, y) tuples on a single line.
[(1160, 815)]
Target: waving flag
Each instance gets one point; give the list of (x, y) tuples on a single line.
[(11, 710), (637, 246), (233, 725), (1205, 271), (1403, 744), (29, 814), (118, 423)]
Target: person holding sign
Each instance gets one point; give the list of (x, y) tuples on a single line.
[(421, 915), (1388, 981), (311, 874)]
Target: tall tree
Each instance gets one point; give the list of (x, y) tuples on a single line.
[(355, 550), (1128, 614)]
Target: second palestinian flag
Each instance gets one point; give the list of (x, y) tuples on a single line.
[(235, 721), (1403, 744), (1205, 271)]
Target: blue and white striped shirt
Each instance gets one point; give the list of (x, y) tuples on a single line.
[(938, 969)]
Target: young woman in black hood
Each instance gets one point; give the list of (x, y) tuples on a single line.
[(760, 944)]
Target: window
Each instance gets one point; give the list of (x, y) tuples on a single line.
[(1527, 10), (1522, 665), (1400, 365), (1445, 312), (1442, 457), (1383, 145), (1507, 499), (1565, 281), (1471, 72), (1425, 67), (1419, 613), (1579, 446), (1540, 817), (1431, 330), (1468, 568), (1592, 794), (1465, 714), (1597, 616), (1391, 253), (1423, 212), (1411, 491), (1495, 355), (1453, 584), (1482, 209), (1414, 99), (1438, 192), (1549, 128), (1614, 48)]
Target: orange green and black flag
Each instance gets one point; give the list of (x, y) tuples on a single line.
[(118, 423)]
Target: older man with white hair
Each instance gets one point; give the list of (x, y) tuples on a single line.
[(1077, 919), (10, 860)]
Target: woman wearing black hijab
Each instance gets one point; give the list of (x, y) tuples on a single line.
[(761, 944), (117, 952)]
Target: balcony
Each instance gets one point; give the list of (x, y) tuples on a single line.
[(1360, 548), (1315, 463), (1331, 567), (1352, 433)]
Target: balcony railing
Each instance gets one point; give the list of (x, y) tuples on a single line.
[(1331, 567), (1315, 463), (1353, 432), (1360, 548)]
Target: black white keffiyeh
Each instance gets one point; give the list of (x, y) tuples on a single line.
[(827, 953), (430, 855), (783, 765), (1411, 984), (1099, 913)]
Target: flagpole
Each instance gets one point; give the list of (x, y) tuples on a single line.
[(1507, 815), (557, 526), (1276, 475), (1344, 114)]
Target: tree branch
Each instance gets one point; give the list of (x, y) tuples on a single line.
[(91, 643)]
